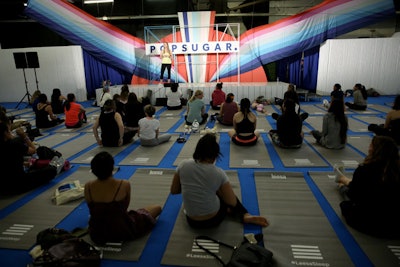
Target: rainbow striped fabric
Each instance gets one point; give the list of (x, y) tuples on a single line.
[(258, 46)]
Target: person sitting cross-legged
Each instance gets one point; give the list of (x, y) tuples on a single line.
[(108, 200), (206, 191), (288, 133), (149, 129)]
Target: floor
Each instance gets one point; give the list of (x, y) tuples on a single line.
[(153, 252)]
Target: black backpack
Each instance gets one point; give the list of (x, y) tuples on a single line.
[(45, 152)]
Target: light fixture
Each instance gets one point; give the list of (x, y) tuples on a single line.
[(97, 1)]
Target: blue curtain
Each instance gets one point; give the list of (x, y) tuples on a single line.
[(300, 69), (96, 72)]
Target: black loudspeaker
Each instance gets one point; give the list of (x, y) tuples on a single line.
[(20, 61), (33, 60)]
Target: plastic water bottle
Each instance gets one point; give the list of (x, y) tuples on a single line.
[(195, 126), (277, 79)]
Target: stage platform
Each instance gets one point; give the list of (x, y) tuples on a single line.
[(240, 90)]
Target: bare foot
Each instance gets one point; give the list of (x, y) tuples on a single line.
[(258, 220)]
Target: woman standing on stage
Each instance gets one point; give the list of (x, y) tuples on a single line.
[(166, 61)]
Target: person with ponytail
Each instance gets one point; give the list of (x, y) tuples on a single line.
[(244, 126), (196, 109), (360, 98), (75, 114)]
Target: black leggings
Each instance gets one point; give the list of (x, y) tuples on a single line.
[(237, 211), (163, 67), (355, 106)]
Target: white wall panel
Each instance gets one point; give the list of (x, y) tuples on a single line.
[(60, 67), (375, 63)]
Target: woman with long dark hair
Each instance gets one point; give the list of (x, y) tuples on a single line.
[(244, 125), (360, 98), (374, 191), (334, 127), (288, 133), (57, 101)]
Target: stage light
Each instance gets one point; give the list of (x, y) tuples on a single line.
[(97, 1)]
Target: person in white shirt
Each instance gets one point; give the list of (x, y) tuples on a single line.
[(149, 128), (174, 95), (105, 96)]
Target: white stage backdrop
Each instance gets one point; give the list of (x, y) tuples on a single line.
[(59, 67), (374, 62)]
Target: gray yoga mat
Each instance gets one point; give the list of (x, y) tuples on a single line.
[(148, 187), (84, 127), (55, 139), (347, 156), (368, 111), (173, 113), (18, 112), (167, 122), (188, 148), (304, 156), (256, 156), (357, 126), (76, 145), (148, 156), (381, 108), (19, 229), (381, 252), (315, 122), (299, 234), (370, 119), (89, 155), (314, 109), (181, 249), (360, 142)]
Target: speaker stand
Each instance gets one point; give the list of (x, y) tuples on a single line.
[(37, 82), (27, 94)]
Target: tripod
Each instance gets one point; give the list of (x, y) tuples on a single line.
[(27, 94)]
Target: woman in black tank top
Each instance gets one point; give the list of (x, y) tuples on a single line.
[(244, 125)]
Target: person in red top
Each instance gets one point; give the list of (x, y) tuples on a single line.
[(75, 114), (217, 97), (228, 109)]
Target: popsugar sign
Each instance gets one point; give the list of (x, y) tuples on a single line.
[(195, 48)]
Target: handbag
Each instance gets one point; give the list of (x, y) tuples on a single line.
[(60, 248), (247, 254)]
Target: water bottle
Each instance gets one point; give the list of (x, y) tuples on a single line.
[(195, 126)]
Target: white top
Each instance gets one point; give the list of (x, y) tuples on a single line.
[(106, 96), (173, 98), (148, 128)]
